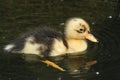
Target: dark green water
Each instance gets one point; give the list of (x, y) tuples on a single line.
[(19, 16)]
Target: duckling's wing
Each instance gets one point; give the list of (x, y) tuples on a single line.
[(46, 37), (38, 42)]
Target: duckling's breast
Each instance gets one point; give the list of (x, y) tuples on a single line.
[(75, 46)]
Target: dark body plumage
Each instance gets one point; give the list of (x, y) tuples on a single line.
[(43, 36)]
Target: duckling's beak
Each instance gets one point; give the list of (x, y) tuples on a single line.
[(90, 37)]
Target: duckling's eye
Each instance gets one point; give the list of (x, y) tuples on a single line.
[(81, 30)]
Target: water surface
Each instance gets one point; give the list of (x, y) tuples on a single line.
[(103, 16)]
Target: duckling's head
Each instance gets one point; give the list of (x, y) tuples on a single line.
[(77, 28)]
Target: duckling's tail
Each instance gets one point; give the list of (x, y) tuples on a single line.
[(9, 48)]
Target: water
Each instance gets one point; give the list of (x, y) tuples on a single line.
[(103, 17)]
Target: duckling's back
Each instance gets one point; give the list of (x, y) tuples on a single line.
[(40, 42)]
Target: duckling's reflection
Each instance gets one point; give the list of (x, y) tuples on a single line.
[(76, 65)]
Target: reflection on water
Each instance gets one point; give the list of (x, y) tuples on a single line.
[(78, 66)]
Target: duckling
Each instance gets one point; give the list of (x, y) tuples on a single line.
[(48, 42)]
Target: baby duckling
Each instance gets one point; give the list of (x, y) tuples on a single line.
[(48, 42)]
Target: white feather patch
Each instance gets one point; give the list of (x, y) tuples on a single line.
[(32, 48), (9, 47)]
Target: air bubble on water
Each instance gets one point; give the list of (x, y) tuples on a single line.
[(59, 78), (93, 23), (76, 70), (97, 73), (62, 24), (110, 17)]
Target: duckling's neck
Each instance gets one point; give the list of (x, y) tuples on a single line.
[(76, 45)]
